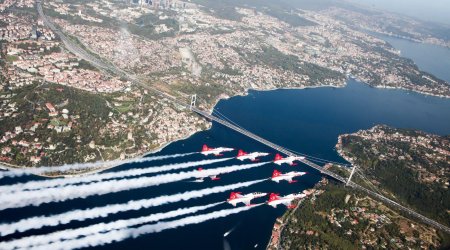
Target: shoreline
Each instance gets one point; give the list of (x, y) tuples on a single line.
[(378, 33), (7, 166), (160, 148), (246, 91), (285, 218), (399, 88), (100, 169), (410, 91), (288, 213)]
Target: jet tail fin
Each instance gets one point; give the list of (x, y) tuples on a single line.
[(234, 195), (241, 153), (273, 197), (205, 148), (278, 157), (276, 173)]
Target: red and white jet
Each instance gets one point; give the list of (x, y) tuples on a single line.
[(289, 160), (277, 176), (237, 197), (276, 199), (250, 156), (202, 177), (214, 151)]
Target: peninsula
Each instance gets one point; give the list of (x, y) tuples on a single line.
[(410, 167)]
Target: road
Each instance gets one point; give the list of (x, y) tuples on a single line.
[(78, 50)]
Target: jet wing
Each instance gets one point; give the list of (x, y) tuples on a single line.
[(292, 163), (273, 205), (287, 203), (214, 177), (200, 179)]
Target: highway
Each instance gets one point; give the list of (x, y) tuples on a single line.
[(77, 50), (80, 52)]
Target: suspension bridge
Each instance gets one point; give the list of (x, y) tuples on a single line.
[(99, 63)]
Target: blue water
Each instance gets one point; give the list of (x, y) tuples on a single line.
[(430, 58), (307, 120)]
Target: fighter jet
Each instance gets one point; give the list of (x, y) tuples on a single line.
[(237, 197), (203, 176), (277, 176), (289, 160), (276, 199), (250, 156), (214, 151)]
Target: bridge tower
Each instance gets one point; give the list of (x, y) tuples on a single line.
[(193, 100), (351, 174)]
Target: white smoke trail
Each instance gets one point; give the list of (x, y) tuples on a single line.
[(122, 234), (231, 230), (98, 212), (60, 182), (80, 166), (37, 197), (33, 241)]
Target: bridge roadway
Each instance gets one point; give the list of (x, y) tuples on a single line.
[(77, 50), (267, 143)]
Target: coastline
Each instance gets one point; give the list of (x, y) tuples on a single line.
[(7, 166), (400, 88), (441, 44), (246, 91), (281, 221), (278, 228), (4, 166), (411, 91)]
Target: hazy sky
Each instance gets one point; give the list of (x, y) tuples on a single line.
[(429, 10)]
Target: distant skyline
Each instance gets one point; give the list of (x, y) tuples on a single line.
[(428, 10)]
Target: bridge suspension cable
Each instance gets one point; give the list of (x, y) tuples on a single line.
[(227, 119), (310, 157), (372, 187), (320, 160)]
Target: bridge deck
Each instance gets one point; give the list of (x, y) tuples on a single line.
[(268, 143)]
